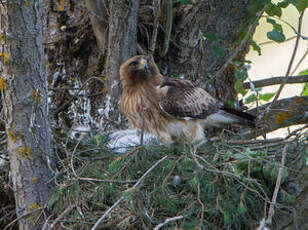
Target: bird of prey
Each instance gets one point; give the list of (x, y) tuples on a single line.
[(171, 108)]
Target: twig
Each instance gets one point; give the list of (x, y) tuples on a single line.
[(63, 214), (107, 181), (290, 63), (300, 61), (202, 207), (245, 39), (276, 81), (167, 221), (277, 186), (123, 198), (270, 42), (148, 171), (142, 132), (254, 142), (293, 133), (23, 216), (107, 212)]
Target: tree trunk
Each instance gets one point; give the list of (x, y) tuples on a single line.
[(122, 44), (192, 54), (25, 107)]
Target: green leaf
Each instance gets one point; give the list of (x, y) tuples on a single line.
[(305, 90), (238, 86), (237, 63), (256, 6), (184, 2), (219, 52), (285, 3), (266, 96), (255, 47), (303, 72), (273, 9), (275, 24), (276, 36), (250, 98), (301, 5), (211, 37), (241, 74)]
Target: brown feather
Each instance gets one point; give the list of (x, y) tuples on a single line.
[(169, 108), (183, 99)]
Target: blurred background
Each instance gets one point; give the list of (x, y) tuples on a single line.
[(275, 57)]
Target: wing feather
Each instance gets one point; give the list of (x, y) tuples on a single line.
[(184, 100)]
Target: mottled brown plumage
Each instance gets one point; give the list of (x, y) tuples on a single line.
[(170, 108)]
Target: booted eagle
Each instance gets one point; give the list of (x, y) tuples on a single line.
[(170, 108)]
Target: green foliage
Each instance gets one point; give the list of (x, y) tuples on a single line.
[(226, 185), (259, 96), (218, 51), (211, 37), (251, 98), (238, 86), (256, 6), (255, 47), (272, 10), (266, 96), (241, 74), (277, 33), (305, 88), (299, 4), (184, 2)]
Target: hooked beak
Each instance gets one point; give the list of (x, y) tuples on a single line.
[(143, 64)]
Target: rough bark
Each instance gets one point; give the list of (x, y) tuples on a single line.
[(99, 21), (122, 44), (25, 108), (284, 113), (192, 55)]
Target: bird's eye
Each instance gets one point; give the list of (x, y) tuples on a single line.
[(133, 63)]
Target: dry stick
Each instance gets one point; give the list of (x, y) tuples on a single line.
[(107, 181), (254, 142), (276, 81), (270, 42), (23, 216), (167, 221), (277, 186), (300, 61), (233, 55), (290, 63), (63, 214), (142, 132), (123, 198)]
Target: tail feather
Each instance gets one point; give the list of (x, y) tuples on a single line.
[(242, 117)]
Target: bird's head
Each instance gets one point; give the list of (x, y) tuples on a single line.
[(138, 69)]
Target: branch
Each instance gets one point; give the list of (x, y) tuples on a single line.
[(122, 197), (284, 113), (276, 81), (168, 221), (277, 186), (290, 63)]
